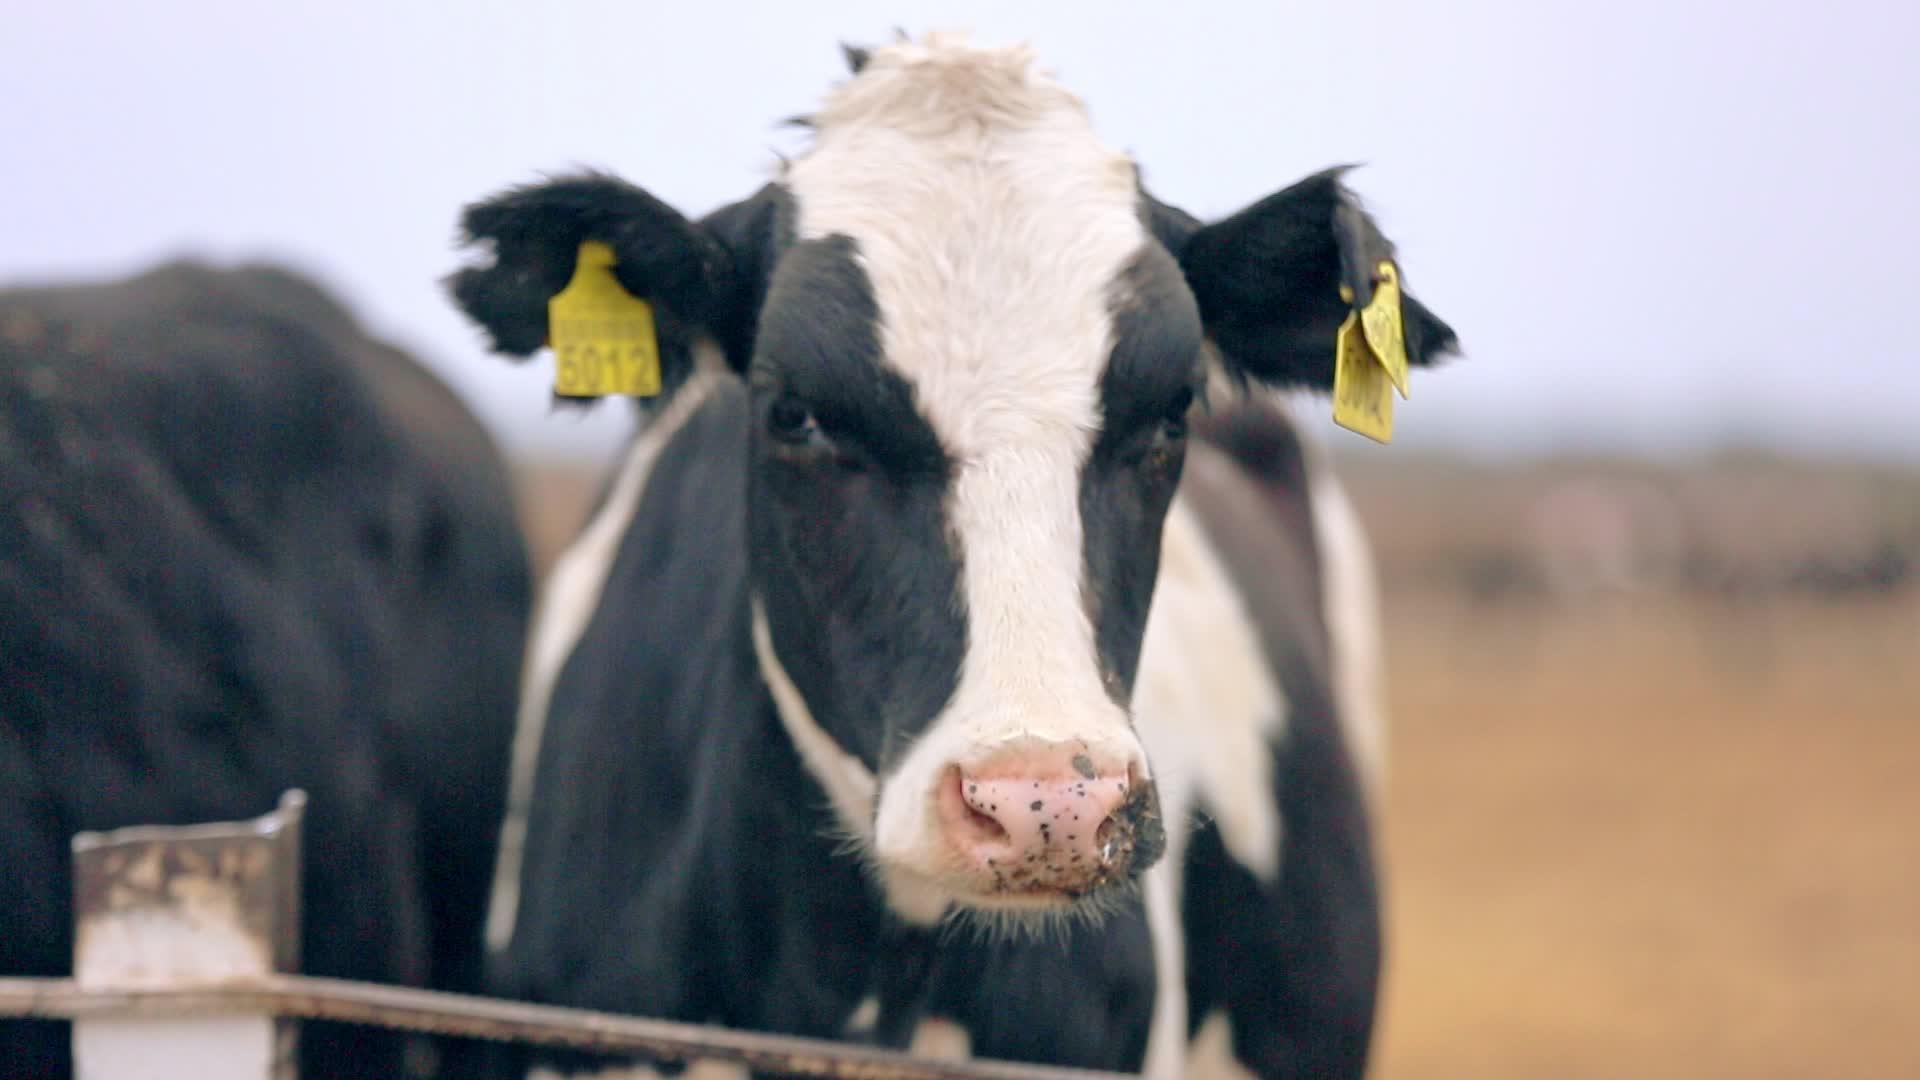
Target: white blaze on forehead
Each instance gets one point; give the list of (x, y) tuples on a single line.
[(992, 225)]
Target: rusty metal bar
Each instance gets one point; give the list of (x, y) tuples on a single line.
[(459, 1015)]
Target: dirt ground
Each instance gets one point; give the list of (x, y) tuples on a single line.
[(1654, 840), (1653, 837)]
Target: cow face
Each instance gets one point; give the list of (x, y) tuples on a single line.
[(971, 343)]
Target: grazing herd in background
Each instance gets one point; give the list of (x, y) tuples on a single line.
[(1732, 534), (965, 655)]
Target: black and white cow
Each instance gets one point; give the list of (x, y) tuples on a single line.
[(930, 605), (245, 547)]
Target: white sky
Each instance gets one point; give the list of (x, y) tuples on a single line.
[(1656, 225)]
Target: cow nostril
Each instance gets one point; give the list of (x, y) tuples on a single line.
[(1105, 837), (969, 809), (986, 826)]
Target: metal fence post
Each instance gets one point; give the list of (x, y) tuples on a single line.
[(187, 907)]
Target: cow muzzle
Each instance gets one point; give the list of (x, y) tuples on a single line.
[(1047, 823)]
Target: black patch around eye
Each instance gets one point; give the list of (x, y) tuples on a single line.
[(1181, 404), (1154, 445), (790, 421), (1153, 373), (1173, 423), (819, 342), (1150, 384), (798, 439)]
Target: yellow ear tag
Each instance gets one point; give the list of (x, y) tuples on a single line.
[(1362, 391), (602, 336), (1386, 334)]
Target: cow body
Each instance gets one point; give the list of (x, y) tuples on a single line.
[(248, 548), (939, 671), (698, 898)]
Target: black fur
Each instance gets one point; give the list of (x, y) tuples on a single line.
[(1294, 963), (536, 232), (712, 887), (1084, 1000), (1146, 394), (244, 547), (849, 535), (1268, 279), (713, 871), (667, 748), (754, 232)]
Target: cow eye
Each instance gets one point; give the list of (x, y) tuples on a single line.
[(1161, 444), (799, 437), (790, 421), (1173, 425)]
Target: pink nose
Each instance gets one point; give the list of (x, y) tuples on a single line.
[(1051, 820)]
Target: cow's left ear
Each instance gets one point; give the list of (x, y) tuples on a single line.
[(1268, 280)]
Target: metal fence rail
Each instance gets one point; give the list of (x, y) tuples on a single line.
[(185, 936), (429, 1012)]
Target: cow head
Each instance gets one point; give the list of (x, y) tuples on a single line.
[(971, 342)]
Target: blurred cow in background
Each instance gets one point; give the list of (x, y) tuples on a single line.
[(245, 547)]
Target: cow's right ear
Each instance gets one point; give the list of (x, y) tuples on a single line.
[(700, 277)]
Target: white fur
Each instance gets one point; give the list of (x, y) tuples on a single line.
[(699, 1070), (1352, 600), (571, 597), (1209, 709), (991, 223), (848, 782), (1207, 704), (1167, 1031), (940, 1039), (1211, 1055), (865, 1016)]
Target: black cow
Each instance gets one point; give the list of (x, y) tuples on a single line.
[(246, 547), (848, 714)]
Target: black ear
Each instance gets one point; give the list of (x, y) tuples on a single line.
[(697, 275), (536, 232), (1268, 280), (752, 232)]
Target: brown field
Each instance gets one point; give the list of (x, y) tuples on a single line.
[(1667, 832), (1673, 832), (1661, 842)]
